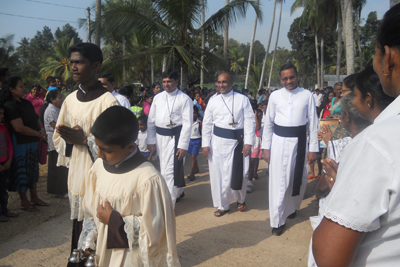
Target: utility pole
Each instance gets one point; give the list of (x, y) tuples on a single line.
[(152, 63), (226, 37), (98, 29), (202, 46), (88, 25), (123, 58), (246, 82)]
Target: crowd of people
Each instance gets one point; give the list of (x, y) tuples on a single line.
[(100, 143)]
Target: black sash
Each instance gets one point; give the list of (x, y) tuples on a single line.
[(301, 133), (237, 164), (179, 178)]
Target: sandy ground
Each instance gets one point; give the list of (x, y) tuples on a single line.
[(236, 239)]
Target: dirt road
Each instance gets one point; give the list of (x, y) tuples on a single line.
[(236, 239)]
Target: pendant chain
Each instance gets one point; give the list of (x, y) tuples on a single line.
[(233, 100), (170, 111)]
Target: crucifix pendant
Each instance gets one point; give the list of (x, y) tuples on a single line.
[(171, 125), (233, 124)]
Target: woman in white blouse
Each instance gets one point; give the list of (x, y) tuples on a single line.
[(361, 224)]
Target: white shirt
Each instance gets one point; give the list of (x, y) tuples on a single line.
[(141, 141), (317, 99), (291, 108), (175, 106), (123, 101), (196, 130), (366, 194), (217, 113)]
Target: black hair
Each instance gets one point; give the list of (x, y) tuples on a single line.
[(5, 93), (136, 100), (108, 76), (288, 66), (3, 72), (317, 90), (50, 79), (350, 81), (142, 118), (58, 78), (129, 90), (123, 92), (171, 74), (50, 95), (368, 81), (117, 125), (148, 94), (155, 84), (388, 32), (88, 50)]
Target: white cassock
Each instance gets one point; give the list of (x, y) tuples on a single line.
[(222, 149), (287, 108), (178, 108)]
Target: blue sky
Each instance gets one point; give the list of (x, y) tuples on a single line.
[(242, 31)]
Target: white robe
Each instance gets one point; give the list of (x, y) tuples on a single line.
[(74, 112), (142, 198), (222, 149), (159, 115), (287, 108)]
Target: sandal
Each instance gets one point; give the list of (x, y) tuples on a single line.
[(11, 214), (241, 206), (219, 213), (311, 177), (30, 209), (255, 176), (41, 203), (191, 178), (319, 176)]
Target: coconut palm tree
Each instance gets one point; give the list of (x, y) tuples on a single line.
[(246, 82), (276, 45), (349, 35), (358, 5), (236, 59), (174, 21)]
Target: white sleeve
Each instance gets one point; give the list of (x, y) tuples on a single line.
[(125, 103), (206, 130), (268, 130), (151, 124), (187, 122), (249, 123), (313, 124)]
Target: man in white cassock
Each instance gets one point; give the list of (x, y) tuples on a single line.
[(169, 127), (290, 134), (228, 131)]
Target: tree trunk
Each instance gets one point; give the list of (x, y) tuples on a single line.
[(267, 50), (394, 2), (322, 63), (349, 33), (360, 57), (98, 29), (276, 45), (202, 46), (184, 75), (152, 64), (246, 82), (317, 57), (343, 22), (339, 50), (123, 64), (226, 38)]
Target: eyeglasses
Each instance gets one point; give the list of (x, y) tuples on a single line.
[(344, 91), (286, 79)]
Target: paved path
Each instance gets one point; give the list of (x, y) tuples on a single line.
[(236, 239)]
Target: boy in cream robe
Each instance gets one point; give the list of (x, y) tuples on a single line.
[(129, 218)]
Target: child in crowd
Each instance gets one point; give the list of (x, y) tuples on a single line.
[(141, 140), (129, 217), (195, 143), (64, 91), (136, 108), (51, 81), (197, 104), (6, 154), (256, 151)]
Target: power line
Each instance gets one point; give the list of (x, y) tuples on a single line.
[(40, 2), (1, 13)]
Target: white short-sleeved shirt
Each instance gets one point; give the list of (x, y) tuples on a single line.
[(141, 141), (366, 194)]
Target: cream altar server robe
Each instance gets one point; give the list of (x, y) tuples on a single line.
[(222, 149), (287, 108), (178, 108)]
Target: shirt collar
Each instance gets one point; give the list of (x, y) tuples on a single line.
[(228, 94), (125, 159), (173, 93), (392, 110)]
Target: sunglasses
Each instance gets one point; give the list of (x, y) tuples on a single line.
[(286, 79)]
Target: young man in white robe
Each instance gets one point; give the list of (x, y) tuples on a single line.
[(169, 127), (289, 123), (129, 217), (228, 134), (108, 81), (72, 136)]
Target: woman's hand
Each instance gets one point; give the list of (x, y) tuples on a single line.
[(330, 167), (325, 133), (42, 134)]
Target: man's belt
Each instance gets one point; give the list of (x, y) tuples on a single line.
[(237, 164), (179, 178), (301, 133)]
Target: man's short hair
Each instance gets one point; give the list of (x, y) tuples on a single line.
[(317, 90), (230, 76), (170, 74), (117, 125), (108, 76), (50, 79), (337, 84), (143, 119), (3, 72), (287, 66), (88, 50), (58, 78)]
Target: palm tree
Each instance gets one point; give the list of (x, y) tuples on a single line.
[(7, 56), (246, 82), (150, 21), (236, 59), (58, 63), (276, 45), (358, 5), (226, 33), (349, 35), (269, 43)]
